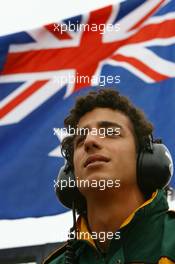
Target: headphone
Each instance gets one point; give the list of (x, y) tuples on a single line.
[(154, 171)]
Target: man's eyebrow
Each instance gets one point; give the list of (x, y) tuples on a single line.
[(108, 124), (104, 124), (100, 124)]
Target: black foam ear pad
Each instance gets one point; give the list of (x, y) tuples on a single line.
[(154, 168), (66, 190)]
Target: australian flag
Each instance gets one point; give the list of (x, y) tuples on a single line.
[(40, 72)]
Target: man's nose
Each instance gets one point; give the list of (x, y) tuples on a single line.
[(92, 142)]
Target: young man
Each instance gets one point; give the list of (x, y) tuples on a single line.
[(133, 219)]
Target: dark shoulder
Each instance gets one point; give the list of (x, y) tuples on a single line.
[(169, 228), (58, 253), (171, 213), (170, 217)]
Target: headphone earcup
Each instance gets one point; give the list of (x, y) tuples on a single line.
[(67, 191), (154, 170)]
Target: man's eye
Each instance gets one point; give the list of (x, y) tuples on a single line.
[(112, 132), (79, 140)]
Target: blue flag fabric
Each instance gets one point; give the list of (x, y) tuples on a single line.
[(129, 46)]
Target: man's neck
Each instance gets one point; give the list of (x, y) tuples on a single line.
[(109, 209)]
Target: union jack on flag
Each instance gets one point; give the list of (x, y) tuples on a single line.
[(141, 53)]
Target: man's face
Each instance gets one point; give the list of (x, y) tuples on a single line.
[(111, 157)]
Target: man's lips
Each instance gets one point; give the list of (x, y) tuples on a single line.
[(94, 158)]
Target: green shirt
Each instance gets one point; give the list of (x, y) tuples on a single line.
[(147, 237)]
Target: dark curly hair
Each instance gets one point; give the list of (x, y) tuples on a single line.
[(105, 98)]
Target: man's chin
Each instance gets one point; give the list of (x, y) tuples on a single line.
[(95, 176), (93, 182)]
